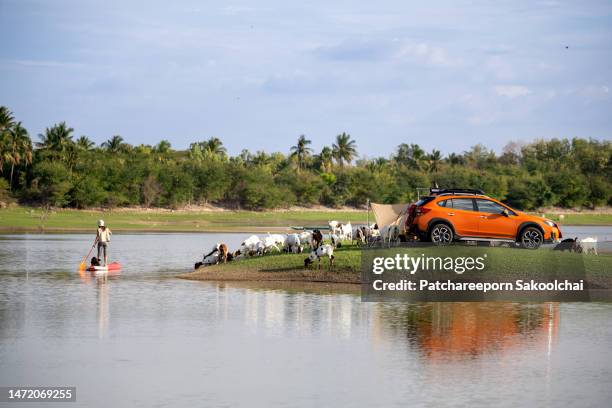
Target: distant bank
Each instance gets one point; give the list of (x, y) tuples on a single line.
[(30, 219)]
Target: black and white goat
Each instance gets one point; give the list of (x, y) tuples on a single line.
[(320, 252)]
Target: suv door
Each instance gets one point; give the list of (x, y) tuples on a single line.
[(462, 214), (492, 223)]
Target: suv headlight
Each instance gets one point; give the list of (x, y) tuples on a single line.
[(549, 223)]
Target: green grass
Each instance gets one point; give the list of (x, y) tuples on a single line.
[(582, 219), (347, 258), (33, 219)]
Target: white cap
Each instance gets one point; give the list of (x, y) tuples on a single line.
[(100, 223)]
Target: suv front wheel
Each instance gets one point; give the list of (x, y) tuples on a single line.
[(531, 238), (441, 234)]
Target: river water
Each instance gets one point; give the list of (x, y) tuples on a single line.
[(145, 338)]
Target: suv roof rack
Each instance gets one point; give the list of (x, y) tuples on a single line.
[(453, 191)]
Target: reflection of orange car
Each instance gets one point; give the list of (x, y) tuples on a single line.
[(457, 214)]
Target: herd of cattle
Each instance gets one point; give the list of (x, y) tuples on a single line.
[(294, 243)]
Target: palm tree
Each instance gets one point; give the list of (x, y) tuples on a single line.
[(57, 138), (410, 155), (455, 159), (434, 159), (85, 143), (113, 144), (326, 157), (18, 147), (6, 122), (301, 150), (260, 159), (344, 149), (215, 146), (196, 152), (6, 119)]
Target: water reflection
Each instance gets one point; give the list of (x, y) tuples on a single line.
[(435, 331), (101, 280), (294, 312), (103, 289), (447, 331)]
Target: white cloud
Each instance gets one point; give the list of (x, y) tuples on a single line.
[(429, 54), (512, 91)]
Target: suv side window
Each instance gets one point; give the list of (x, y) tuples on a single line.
[(489, 207), (444, 203), (465, 204)]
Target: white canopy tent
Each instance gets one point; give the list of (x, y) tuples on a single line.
[(390, 214)]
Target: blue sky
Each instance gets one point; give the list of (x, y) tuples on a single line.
[(444, 74)]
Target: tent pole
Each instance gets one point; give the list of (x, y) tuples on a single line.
[(368, 213)]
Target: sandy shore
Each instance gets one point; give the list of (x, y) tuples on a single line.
[(240, 273)]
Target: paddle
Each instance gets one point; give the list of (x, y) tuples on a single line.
[(82, 265)]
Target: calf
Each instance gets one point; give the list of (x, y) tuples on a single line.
[(316, 255)]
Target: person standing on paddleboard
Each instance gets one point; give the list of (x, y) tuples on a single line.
[(103, 239)]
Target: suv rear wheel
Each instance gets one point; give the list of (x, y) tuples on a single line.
[(531, 238), (441, 234)]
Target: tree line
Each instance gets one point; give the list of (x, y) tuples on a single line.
[(64, 171)]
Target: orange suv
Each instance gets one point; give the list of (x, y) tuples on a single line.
[(447, 215)]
